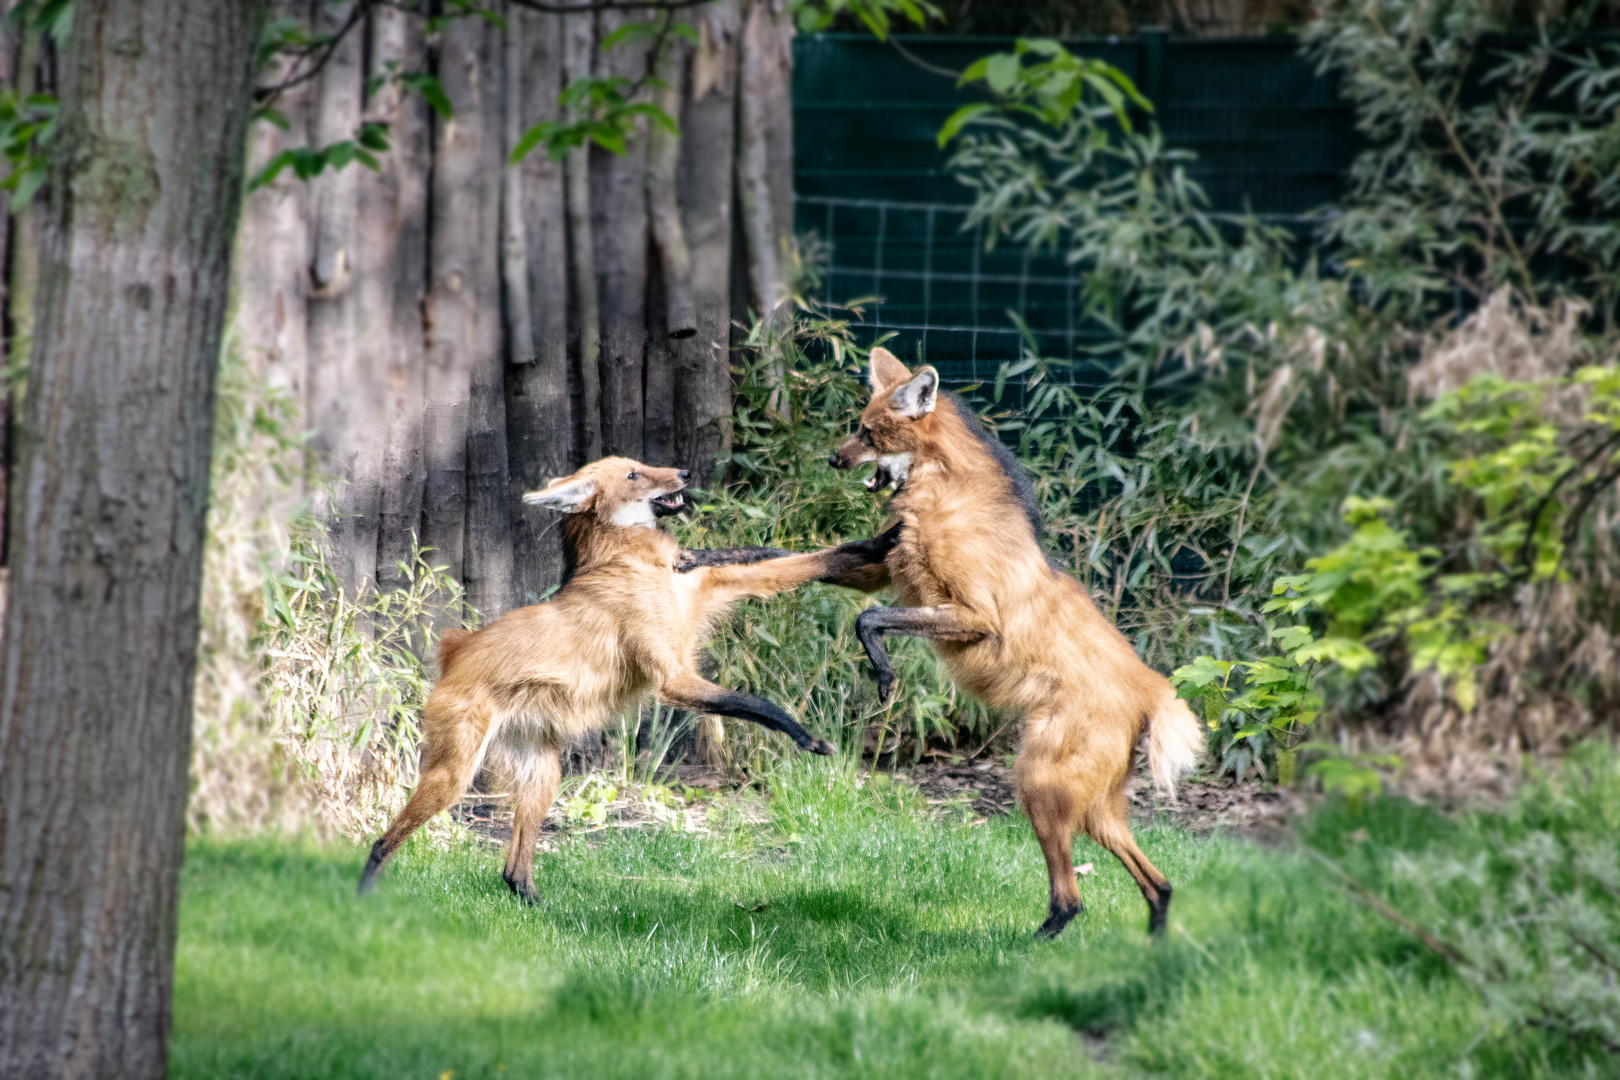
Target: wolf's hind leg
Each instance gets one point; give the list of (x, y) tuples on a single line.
[(535, 776), (1054, 813), (1108, 825), (449, 759)]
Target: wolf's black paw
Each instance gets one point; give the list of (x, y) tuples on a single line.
[(885, 686), (524, 889), (876, 548), (820, 746), (368, 876), (1056, 921)]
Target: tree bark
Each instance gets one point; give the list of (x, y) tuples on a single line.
[(514, 231), (451, 321), (398, 36), (15, 73), (619, 222), (100, 635), (763, 83), (670, 317), (579, 43), (708, 139), (342, 399), (273, 253), (539, 433), (475, 251), (663, 159)]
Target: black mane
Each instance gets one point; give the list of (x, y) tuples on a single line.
[(1018, 479)]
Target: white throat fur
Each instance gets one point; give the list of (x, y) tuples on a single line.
[(639, 512), (898, 466)]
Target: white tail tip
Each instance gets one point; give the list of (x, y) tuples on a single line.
[(1175, 744)]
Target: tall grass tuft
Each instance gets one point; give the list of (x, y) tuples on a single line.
[(307, 698)]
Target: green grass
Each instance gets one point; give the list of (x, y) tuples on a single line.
[(885, 943)]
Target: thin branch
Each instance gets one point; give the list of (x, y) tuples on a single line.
[(920, 62), (1442, 115), (324, 50), (607, 5), (266, 95), (1527, 548), (1377, 903)]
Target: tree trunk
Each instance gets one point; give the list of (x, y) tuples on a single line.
[(539, 433), (341, 400), (663, 159), (708, 137), (619, 222), (475, 252), (778, 102), (398, 36), (452, 317), (12, 59), (764, 82), (758, 88), (670, 318), (579, 43), (100, 635), (273, 254)]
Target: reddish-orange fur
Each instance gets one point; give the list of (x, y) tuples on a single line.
[(517, 694), (1016, 632)]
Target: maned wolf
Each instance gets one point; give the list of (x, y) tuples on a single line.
[(1014, 630), (518, 693)]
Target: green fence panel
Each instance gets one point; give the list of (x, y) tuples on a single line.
[(1273, 138)]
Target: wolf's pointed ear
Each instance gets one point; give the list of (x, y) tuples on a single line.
[(886, 371), (917, 398), (565, 493)]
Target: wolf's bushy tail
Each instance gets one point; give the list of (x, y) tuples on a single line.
[(1176, 742), (450, 643)]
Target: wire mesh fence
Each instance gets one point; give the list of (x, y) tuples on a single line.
[(948, 300), (1273, 139)]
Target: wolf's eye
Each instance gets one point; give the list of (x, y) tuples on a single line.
[(863, 433), (632, 475)]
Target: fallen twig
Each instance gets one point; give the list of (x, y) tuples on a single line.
[(1378, 904)]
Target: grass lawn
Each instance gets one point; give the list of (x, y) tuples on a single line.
[(851, 935)]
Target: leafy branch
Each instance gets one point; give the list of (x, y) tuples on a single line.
[(603, 109), (1046, 82), (27, 124)]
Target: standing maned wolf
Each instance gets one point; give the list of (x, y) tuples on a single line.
[(518, 693), (1015, 630)]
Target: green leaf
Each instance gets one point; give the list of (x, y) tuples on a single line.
[(432, 92), (608, 138), (531, 139), (374, 136), (1201, 672), (27, 186), (653, 113), (959, 119), (1289, 638), (628, 33), (1001, 72)]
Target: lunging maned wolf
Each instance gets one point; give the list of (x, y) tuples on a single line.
[(516, 694), (1014, 630)]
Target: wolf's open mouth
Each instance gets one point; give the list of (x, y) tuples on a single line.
[(664, 505), (879, 480)]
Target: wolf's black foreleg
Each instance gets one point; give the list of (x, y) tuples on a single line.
[(943, 623), (692, 560), (700, 695), (854, 563)]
